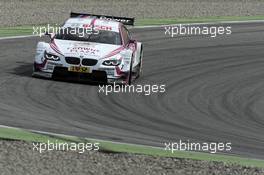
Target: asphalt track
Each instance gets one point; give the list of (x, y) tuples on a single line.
[(214, 93)]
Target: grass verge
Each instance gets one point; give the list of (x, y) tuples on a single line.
[(143, 22), (28, 30), (107, 146), (16, 31)]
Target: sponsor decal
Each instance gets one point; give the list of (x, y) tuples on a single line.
[(97, 27), (84, 50)]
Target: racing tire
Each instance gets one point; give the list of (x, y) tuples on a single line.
[(139, 73), (130, 74)]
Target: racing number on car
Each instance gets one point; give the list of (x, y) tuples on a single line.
[(83, 69), (79, 69)]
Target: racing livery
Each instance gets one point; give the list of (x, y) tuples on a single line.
[(90, 47)]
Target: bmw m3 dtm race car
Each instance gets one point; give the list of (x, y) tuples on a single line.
[(91, 47)]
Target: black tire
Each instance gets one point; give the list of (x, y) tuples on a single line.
[(130, 74), (139, 73), (130, 70)]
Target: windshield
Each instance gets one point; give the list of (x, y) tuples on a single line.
[(80, 34)]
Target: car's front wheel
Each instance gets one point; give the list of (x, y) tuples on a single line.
[(139, 72), (129, 76)]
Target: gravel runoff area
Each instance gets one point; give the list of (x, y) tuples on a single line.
[(18, 157), (26, 12)]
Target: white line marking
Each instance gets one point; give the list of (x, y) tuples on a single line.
[(15, 37)]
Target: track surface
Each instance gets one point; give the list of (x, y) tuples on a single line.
[(214, 92)]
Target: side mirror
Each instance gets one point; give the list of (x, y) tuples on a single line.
[(50, 35), (132, 41)]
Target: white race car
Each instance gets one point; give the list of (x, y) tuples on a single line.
[(90, 47)]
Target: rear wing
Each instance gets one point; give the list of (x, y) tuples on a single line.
[(124, 20)]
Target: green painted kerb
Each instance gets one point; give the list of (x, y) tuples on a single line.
[(19, 134)]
